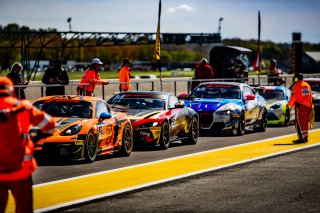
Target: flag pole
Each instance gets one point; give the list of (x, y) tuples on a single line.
[(259, 32), (158, 45)]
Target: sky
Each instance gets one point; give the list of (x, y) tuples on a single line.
[(279, 18)]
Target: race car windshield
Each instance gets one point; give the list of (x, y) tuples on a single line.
[(80, 109), (271, 94), (139, 103), (230, 92)]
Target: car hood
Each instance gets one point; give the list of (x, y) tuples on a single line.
[(64, 122), (272, 102), (144, 114), (201, 104)]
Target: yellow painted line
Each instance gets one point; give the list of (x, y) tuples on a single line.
[(66, 192)]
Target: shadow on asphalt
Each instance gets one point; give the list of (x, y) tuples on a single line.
[(284, 144)]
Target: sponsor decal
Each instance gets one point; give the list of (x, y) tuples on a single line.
[(79, 142), (100, 130), (156, 128), (145, 133), (305, 92), (236, 115)]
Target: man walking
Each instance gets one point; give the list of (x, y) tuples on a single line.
[(301, 99)]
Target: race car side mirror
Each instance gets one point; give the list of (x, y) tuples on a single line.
[(104, 116), (185, 96)]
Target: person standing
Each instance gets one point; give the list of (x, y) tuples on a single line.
[(16, 78), (275, 75), (55, 75), (91, 77), (124, 76), (16, 160), (240, 70), (204, 70), (301, 99)]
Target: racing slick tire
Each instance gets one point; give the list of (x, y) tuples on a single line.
[(193, 133), (240, 130), (127, 141), (263, 123), (90, 147), (287, 118), (165, 136)]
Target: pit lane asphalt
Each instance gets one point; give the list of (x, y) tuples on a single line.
[(269, 185), (53, 171), (287, 183)]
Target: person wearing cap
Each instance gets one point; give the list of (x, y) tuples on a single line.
[(16, 160), (16, 77), (55, 75), (124, 76), (301, 99), (91, 77)]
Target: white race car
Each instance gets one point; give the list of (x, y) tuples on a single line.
[(277, 98)]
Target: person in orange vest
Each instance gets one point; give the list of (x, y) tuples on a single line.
[(91, 77), (301, 99), (124, 76), (17, 177)]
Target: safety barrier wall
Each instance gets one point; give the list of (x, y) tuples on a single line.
[(176, 86)]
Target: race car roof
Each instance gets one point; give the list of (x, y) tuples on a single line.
[(270, 87), (69, 98), (144, 94)]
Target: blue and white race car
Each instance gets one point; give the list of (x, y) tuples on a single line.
[(277, 104), (228, 106)]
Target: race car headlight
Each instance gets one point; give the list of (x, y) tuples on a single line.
[(275, 106), (224, 112), (150, 124), (72, 130), (227, 109)]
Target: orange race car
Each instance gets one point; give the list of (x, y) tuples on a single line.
[(85, 127)]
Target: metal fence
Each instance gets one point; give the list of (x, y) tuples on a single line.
[(176, 86)]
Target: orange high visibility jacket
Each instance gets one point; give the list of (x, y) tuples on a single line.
[(92, 78), (124, 78), (28, 117), (301, 94)]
